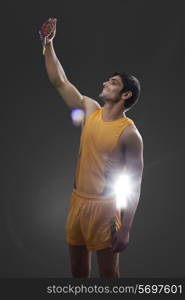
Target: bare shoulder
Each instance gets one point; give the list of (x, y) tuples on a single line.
[(131, 147), (131, 138), (90, 105)]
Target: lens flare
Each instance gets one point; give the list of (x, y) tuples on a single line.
[(77, 116), (122, 189)]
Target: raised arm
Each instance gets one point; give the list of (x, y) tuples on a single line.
[(72, 97)]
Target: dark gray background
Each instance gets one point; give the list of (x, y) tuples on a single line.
[(40, 144)]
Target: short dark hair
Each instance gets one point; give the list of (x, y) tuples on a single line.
[(131, 83)]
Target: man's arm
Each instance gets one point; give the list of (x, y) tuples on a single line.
[(132, 149), (72, 97)]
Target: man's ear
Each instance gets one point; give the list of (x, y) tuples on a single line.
[(126, 95)]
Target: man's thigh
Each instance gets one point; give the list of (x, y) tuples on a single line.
[(108, 263)]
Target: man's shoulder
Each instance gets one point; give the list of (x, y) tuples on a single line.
[(90, 106), (131, 135), (90, 103)]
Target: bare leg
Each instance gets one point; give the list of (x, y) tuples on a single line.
[(80, 259), (108, 263)]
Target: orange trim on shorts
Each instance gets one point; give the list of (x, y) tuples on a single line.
[(95, 248)]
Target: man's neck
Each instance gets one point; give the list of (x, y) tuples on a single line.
[(113, 111)]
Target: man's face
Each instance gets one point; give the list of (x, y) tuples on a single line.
[(111, 89)]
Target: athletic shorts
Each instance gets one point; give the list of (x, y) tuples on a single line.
[(91, 221)]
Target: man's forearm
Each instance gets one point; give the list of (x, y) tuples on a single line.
[(54, 69), (129, 212)]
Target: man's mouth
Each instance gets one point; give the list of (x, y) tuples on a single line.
[(105, 89)]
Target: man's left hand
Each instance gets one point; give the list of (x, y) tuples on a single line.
[(120, 240)]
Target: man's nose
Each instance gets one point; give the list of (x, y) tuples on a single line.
[(104, 83)]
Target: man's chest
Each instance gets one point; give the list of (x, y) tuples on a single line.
[(101, 138)]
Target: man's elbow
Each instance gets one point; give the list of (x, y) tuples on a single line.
[(58, 83)]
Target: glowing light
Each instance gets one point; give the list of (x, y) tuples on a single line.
[(77, 116), (123, 188)]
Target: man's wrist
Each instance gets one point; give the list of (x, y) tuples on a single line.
[(48, 44), (47, 47)]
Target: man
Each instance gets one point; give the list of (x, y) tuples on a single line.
[(110, 146)]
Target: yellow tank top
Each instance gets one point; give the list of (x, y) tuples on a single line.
[(96, 160)]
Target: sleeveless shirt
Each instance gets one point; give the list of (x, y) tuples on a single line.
[(97, 161)]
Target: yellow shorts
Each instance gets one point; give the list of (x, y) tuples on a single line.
[(91, 220)]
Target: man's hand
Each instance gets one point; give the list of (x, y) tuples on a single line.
[(120, 240), (47, 32)]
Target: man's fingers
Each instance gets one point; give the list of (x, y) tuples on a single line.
[(48, 26), (114, 249), (54, 20), (117, 245), (117, 248), (44, 41)]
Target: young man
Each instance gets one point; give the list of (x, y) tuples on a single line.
[(110, 146)]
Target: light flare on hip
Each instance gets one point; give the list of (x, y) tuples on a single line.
[(123, 188)]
